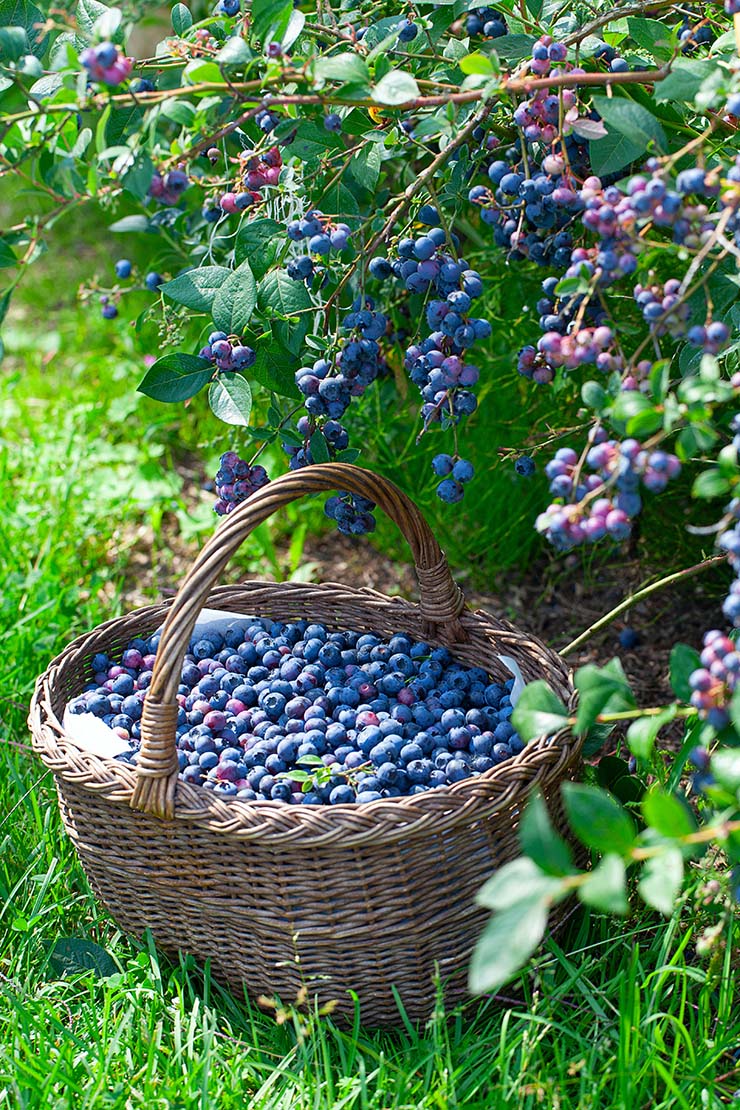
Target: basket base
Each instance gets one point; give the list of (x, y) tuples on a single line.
[(274, 933)]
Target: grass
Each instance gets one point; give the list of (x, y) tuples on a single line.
[(622, 1015)]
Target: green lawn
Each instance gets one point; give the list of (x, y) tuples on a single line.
[(614, 1015)]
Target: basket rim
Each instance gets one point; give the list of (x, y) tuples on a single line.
[(544, 759)]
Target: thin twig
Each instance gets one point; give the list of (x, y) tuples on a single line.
[(687, 572)]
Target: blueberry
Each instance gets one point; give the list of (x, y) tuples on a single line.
[(341, 795), (629, 638), (123, 268)]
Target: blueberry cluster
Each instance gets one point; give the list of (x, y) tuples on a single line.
[(455, 473), (266, 120), (295, 713), (601, 503), (353, 514), (487, 22), (106, 63), (437, 364), (329, 386), (532, 198), (228, 355), (236, 480), (323, 235), (662, 308), (169, 189), (255, 172), (610, 56), (713, 683)]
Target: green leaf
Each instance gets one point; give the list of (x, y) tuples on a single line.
[(643, 732), (296, 23), (629, 404), (606, 886), (72, 955), (597, 818), (709, 484), (176, 377), (653, 36), (270, 19), (235, 301), (349, 68), (534, 7), (107, 24), (684, 81), (661, 880), (275, 369), (734, 700), (131, 223), (178, 111), (513, 881), (13, 43), (594, 395), (22, 13), (396, 87), (541, 842), (5, 304), (87, 13), (507, 942), (137, 179), (726, 768), (234, 52), (7, 256), (601, 690), (319, 447), (196, 289), (512, 48), (667, 814), (230, 399), (684, 661), (539, 711), (280, 296), (181, 18), (256, 243), (477, 63), (631, 128), (365, 166)]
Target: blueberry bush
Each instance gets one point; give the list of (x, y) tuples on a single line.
[(325, 197)]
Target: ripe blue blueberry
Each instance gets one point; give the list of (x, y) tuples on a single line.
[(123, 268)]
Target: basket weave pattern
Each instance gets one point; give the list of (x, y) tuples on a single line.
[(362, 898)]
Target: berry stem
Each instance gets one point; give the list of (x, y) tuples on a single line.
[(646, 591)]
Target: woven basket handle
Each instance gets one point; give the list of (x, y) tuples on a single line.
[(441, 602)]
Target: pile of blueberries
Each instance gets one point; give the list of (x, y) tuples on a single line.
[(299, 714)]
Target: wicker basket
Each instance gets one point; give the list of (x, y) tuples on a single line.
[(340, 898)]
